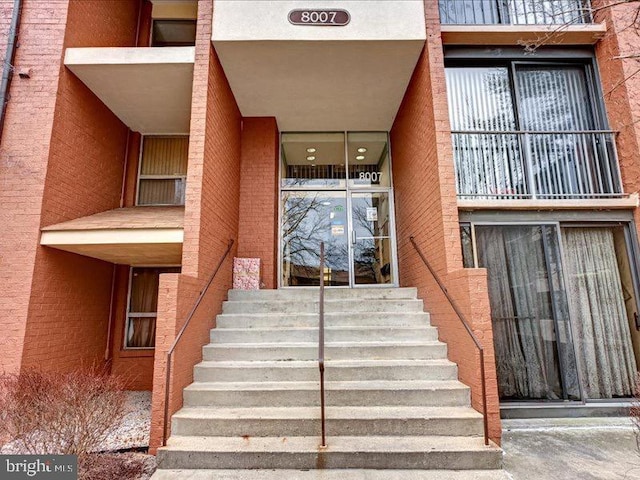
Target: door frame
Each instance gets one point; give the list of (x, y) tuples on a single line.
[(348, 191)]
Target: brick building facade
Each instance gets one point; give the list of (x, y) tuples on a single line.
[(76, 231)]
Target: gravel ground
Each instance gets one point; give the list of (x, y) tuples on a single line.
[(133, 432)]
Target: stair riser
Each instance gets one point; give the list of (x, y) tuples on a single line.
[(311, 427), (330, 294), (334, 306), (394, 351), (351, 335), (338, 398), (463, 460), (310, 374), (238, 320)]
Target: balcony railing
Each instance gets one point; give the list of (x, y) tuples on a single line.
[(536, 165), (515, 12)]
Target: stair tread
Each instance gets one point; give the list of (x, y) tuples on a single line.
[(331, 385), (337, 474), (327, 328), (387, 444), (347, 413), (364, 363), (411, 343)]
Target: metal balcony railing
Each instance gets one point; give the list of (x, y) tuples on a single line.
[(515, 12), (536, 165)]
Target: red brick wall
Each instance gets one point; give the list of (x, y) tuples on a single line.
[(621, 87), (257, 236), (424, 186), (211, 219), (24, 152), (71, 294), (6, 11)]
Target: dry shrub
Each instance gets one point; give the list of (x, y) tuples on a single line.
[(112, 466), (59, 413)]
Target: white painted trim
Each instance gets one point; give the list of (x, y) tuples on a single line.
[(569, 204), (117, 236)]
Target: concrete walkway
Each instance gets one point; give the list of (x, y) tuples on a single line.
[(571, 449)]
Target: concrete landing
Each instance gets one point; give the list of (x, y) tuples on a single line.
[(330, 475), (570, 449)]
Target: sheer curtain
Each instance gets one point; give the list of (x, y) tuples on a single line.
[(598, 316), (523, 326), (144, 300)]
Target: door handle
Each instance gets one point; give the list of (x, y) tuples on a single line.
[(353, 237)]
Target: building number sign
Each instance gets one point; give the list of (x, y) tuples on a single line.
[(320, 17)]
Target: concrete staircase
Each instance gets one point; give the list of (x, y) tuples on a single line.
[(393, 399)]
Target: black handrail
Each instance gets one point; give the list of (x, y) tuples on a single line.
[(321, 345), (179, 336), (477, 343)]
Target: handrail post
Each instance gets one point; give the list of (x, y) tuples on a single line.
[(321, 346), (173, 346), (467, 327)]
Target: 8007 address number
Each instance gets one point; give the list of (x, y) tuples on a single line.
[(319, 18)]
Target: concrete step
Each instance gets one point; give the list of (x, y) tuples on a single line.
[(407, 452), (294, 306), (336, 370), (357, 393), (341, 421), (275, 320), (312, 293), (348, 474), (333, 351), (332, 334)]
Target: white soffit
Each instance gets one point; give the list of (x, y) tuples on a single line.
[(149, 89), (314, 78)]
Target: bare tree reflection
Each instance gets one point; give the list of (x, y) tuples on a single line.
[(307, 221)]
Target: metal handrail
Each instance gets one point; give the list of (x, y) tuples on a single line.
[(321, 345), (179, 336), (477, 343)]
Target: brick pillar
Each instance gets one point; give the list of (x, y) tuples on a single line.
[(426, 207), (258, 229)]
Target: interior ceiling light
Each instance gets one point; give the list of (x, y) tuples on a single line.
[(311, 150), (360, 157), (311, 158), (360, 150)]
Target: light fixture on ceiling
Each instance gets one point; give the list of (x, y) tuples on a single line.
[(360, 157), (311, 158), (311, 150), (362, 150)]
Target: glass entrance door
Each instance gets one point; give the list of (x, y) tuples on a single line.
[(372, 254), (336, 189)]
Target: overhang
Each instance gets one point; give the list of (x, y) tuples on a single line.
[(583, 34), (319, 78), (129, 236), (148, 88)]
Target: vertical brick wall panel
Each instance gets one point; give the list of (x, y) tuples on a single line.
[(257, 237), (24, 152), (426, 207), (84, 176), (211, 220)]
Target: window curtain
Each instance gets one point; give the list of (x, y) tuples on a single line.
[(144, 299), (163, 171), (522, 314), (598, 316)]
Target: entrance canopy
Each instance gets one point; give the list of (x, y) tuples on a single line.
[(318, 78)]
